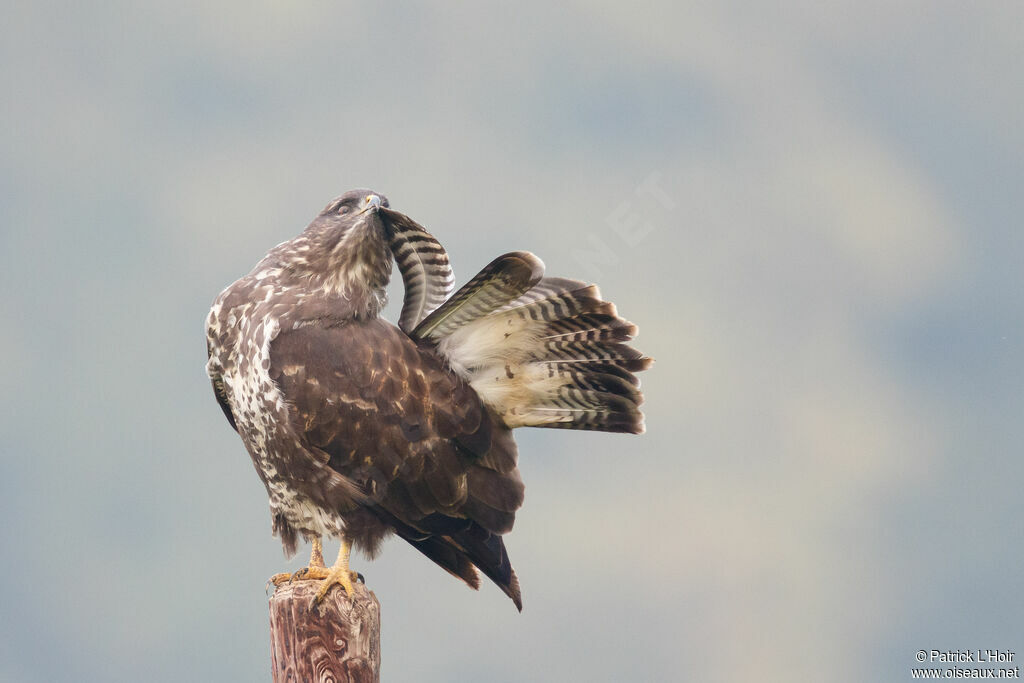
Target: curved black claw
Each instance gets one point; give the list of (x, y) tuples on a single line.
[(360, 579), (278, 580)]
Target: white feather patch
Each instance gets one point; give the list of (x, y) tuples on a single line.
[(497, 339), (513, 390), (495, 355)]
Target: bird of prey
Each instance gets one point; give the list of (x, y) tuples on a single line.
[(359, 428)]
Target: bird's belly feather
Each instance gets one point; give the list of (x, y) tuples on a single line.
[(260, 413)]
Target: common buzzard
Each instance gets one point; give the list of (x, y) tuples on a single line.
[(359, 428)]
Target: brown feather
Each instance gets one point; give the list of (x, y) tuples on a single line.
[(411, 435)]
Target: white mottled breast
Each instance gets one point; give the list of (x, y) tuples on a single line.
[(240, 338)]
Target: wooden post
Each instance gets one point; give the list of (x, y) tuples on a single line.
[(337, 642)]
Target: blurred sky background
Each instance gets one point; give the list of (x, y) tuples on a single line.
[(812, 211)]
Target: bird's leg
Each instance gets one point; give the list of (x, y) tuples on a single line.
[(339, 574), (316, 555), (316, 559)]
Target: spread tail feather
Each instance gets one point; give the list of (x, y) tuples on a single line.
[(541, 352), (502, 280)]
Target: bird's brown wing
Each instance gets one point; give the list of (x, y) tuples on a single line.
[(415, 438)]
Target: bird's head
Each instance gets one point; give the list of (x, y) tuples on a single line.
[(354, 211), (353, 206), (344, 251)]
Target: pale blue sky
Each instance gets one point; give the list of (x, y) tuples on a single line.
[(831, 475)]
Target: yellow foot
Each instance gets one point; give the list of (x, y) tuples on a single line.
[(338, 575), (316, 559), (279, 579), (334, 576)]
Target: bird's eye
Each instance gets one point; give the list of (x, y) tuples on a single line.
[(342, 209)]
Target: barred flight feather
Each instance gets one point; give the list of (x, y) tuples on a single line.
[(504, 279), (603, 367), (423, 262), (549, 354), (591, 327)]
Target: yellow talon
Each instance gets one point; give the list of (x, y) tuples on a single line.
[(337, 575), (316, 559), (278, 579)]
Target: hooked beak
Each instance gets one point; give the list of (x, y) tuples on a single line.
[(372, 203)]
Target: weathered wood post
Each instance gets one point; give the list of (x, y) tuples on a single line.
[(337, 642)]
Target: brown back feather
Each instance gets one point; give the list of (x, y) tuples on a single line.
[(410, 434)]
